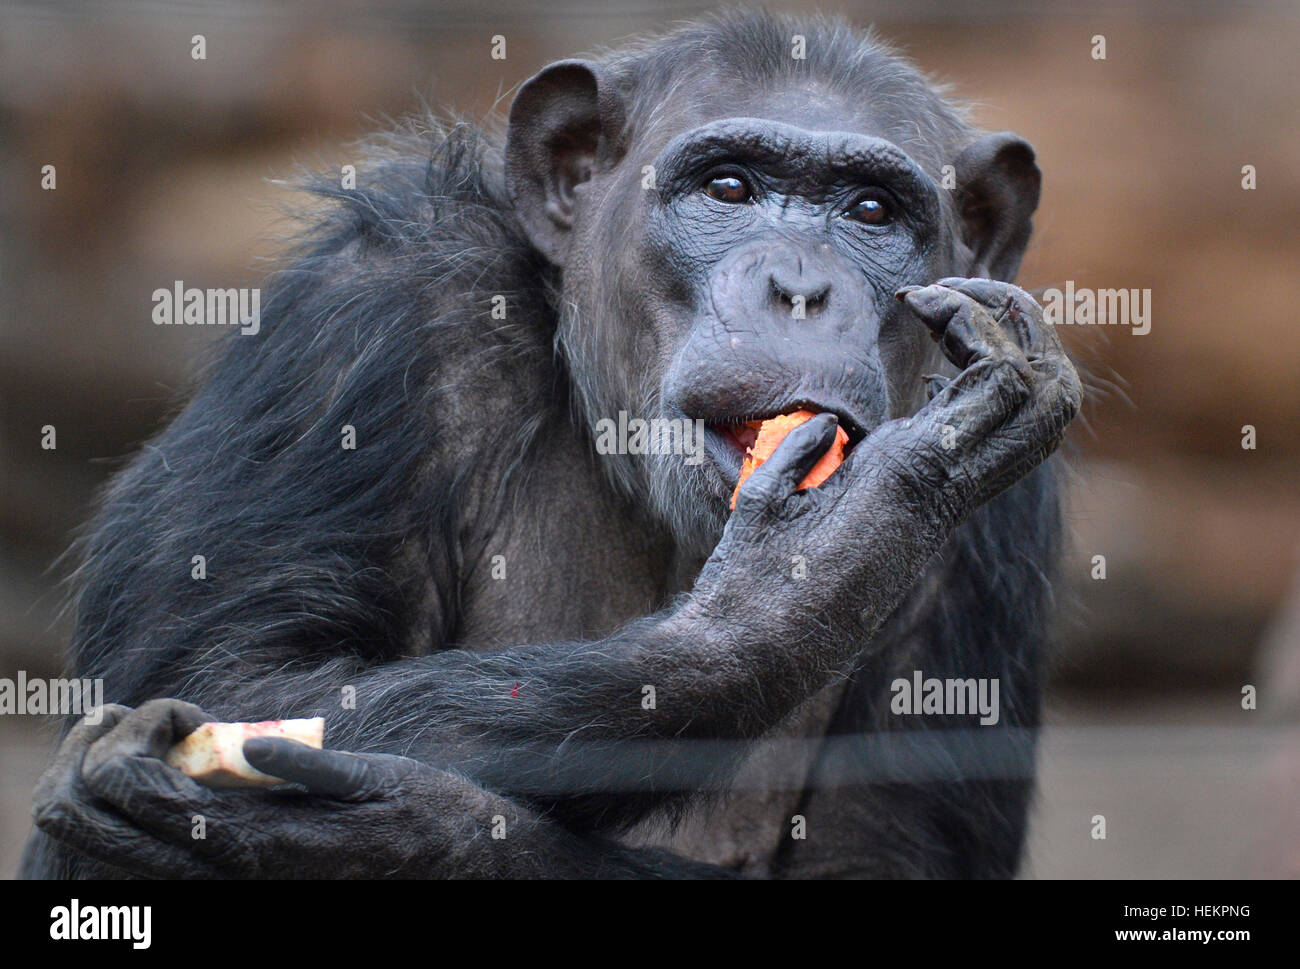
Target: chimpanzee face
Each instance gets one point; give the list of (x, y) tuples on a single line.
[(734, 260), (776, 252)]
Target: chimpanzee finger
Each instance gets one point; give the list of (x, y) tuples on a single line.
[(968, 331), (778, 477), (150, 794), (99, 834), (63, 776), (996, 378), (331, 773), (1010, 305), (993, 293), (67, 810), (146, 732), (86, 731)]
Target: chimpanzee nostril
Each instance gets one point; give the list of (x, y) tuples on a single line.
[(810, 297)]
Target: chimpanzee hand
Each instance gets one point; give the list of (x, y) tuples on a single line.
[(1008, 408), (864, 535), (110, 795)]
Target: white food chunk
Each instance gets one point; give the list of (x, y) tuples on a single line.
[(214, 753)]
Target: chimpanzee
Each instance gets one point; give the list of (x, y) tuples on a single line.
[(536, 658)]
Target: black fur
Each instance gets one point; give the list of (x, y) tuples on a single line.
[(328, 568)]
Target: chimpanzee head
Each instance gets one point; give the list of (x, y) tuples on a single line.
[(731, 210)]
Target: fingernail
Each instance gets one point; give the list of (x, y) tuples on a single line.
[(902, 293), (926, 300)]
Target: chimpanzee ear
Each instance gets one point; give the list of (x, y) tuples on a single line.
[(564, 123), (997, 192)]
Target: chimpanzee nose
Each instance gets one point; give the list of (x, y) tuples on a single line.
[(803, 290), (796, 286)]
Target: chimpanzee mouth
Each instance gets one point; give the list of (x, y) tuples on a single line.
[(732, 437)]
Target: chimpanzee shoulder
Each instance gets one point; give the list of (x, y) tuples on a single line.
[(381, 328)]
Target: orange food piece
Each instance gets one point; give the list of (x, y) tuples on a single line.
[(772, 432)]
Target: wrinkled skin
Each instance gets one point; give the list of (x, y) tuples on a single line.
[(706, 289), (110, 794)]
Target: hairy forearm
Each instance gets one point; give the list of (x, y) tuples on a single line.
[(598, 732)]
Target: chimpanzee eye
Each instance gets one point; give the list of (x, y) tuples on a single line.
[(869, 211), (728, 188)]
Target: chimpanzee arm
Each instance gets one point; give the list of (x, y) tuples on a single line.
[(580, 748), (748, 643), (567, 727), (943, 795), (110, 796)]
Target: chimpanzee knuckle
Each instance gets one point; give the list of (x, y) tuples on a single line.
[(167, 710), (978, 319), (44, 800), (760, 495), (404, 792), (50, 815), (156, 709), (934, 302), (1065, 406), (109, 715), (116, 779), (1059, 394), (1015, 380), (86, 731), (1006, 294), (907, 475), (996, 296), (66, 817), (76, 825), (1002, 382), (976, 336), (56, 789), (747, 520), (53, 800), (1071, 388), (993, 294), (371, 779)]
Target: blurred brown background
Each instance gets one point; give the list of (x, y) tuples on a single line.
[(166, 170)]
